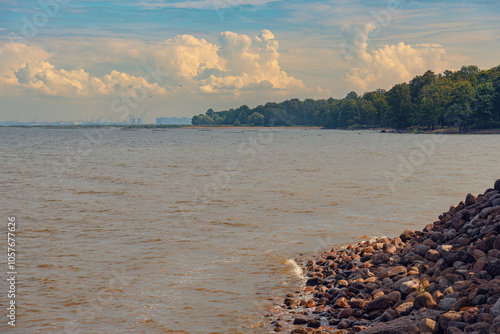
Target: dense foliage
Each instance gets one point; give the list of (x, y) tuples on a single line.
[(468, 98)]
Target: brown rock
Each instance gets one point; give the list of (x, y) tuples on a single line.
[(314, 323), (432, 255), (470, 315), (341, 303), (300, 321), (379, 258), (405, 308), (379, 303), (345, 313), (444, 319), (408, 287), (424, 300), (314, 281), (310, 303), (343, 325), (400, 270), (390, 248), (319, 309), (461, 285), (299, 331), (477, 254), (470, 199), (343, 282), (358, 303), (485, 317), (437, 295), (407, 235), (428, 325)]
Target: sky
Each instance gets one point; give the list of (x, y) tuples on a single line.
[(70, 59)]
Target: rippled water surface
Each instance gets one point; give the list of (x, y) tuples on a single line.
[(189, 231)]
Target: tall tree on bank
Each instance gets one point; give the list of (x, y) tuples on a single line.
[(400, 107)]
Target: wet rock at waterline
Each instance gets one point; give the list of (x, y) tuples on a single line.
[(444, 279)]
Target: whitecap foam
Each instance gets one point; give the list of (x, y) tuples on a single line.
[(294, 268)]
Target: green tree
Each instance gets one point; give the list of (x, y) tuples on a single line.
[(434, 102), (400, 107), (484, 113), (218, 119), (205, 120), (366, 112), (462, 100), (256, 119), (379, 101)]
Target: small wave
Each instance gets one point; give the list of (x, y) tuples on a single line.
[(294, 268)]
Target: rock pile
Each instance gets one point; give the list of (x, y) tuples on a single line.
[(444, 279)]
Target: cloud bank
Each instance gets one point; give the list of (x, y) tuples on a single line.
[(233, 65), (395, 63)]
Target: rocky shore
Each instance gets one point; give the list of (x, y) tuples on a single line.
[(444, 279)]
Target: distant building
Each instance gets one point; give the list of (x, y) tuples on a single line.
[(173, 120)]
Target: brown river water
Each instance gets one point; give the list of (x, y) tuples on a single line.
[(193, 230)]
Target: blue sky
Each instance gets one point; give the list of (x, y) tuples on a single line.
[(81, 59)]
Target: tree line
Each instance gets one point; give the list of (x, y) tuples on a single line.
[(468, 99)]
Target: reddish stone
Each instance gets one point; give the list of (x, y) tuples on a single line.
[(342, 303), (470, 314), (310, 303)]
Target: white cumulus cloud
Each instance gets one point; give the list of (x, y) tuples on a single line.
[(250, 61), (390, 64), (235, 63)]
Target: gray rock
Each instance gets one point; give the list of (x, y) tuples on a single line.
[(379, 258), (447, 303), (421, 249), (451, 234), (495, 309), (407, 324), (458, 324)]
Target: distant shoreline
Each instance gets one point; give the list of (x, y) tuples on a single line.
[(232, 127)]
